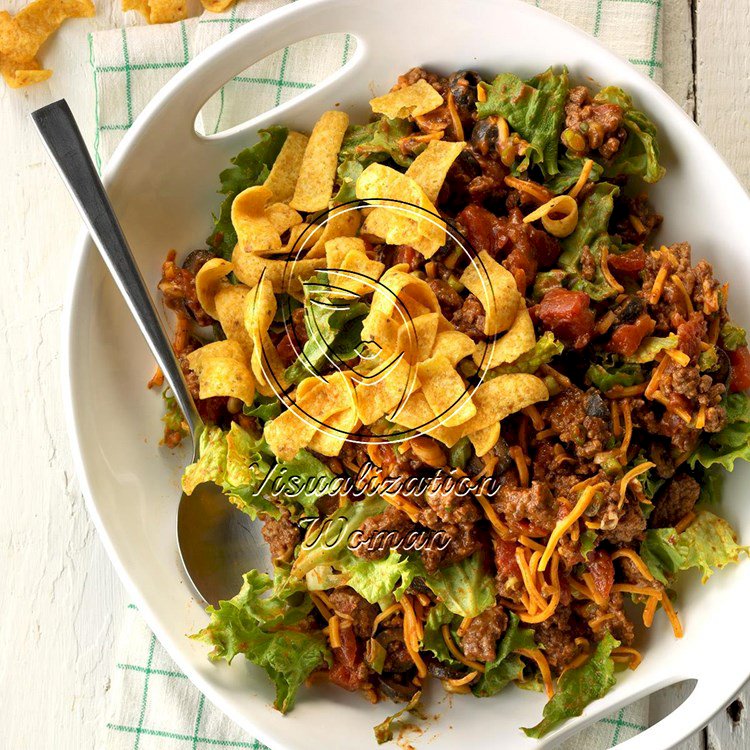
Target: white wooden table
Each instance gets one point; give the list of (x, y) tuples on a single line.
[(61, 601)]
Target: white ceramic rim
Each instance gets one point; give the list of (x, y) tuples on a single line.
[(696, 711)]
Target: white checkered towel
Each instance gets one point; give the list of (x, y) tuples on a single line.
[(152, 704)]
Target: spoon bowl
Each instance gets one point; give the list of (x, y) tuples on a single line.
[(218, 543)]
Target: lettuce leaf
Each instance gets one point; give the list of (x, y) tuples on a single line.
[(661, 556), (174, 422), (460, 453), (570, 170), (733, 337), (238, 463), (607, 377), (257, 624), (650, 347), (546, 348), (384, 730), (250, 167), (247, 471), (465, 588), (535, 109), (303, 480), (507, 665), (334, 330), (639, 155), (591, 231), (578, 687), (264, 408), (709, 542), (365, 144), (733, 442), (711, 484), (377, 579), (433, 640), (327, 550)]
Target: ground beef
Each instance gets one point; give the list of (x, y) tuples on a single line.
[(671, 309), (588, 264), (464, 542), (375, 530), (448, 298), (327, 505), (294, 338), (439, 83), (634, 219), (690, 389), (450, 505), (616, 623), (527, 509), (346, 601), (177, 285), (480, 639), (474, 178), (681, 435), (690, 334), (674, 501), (397, 657), (706, 291), (394, 463), (630, 574), (470, 318), (557, 634), (591, 126), (587, 435), (281, 535), (621, 525), (354, 453)]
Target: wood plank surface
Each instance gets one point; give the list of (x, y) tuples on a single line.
[(62, 601)]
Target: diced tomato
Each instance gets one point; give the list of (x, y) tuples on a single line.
[(505, 559), (628, 336), (602, 571), (348, 670), (408, 255), (740, 359), (690, 335), (633, 261), (568, 316), (287, 349), (480, 227)]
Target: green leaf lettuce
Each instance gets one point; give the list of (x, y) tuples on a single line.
[(578, 687), (709, 542), (259, 626), (250, 167), (535, 109)]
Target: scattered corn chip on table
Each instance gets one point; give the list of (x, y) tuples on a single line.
[(62, 600)]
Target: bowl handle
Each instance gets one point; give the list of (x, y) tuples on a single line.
[(668, 732), (186, 93)]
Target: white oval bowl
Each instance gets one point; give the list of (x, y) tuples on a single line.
[(162, 181)]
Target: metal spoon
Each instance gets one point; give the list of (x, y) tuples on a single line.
[(215, 539)]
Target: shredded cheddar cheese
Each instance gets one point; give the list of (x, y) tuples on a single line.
[(541, 661), (658, 286), (585, 172), (632, 474), (587, 497)]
